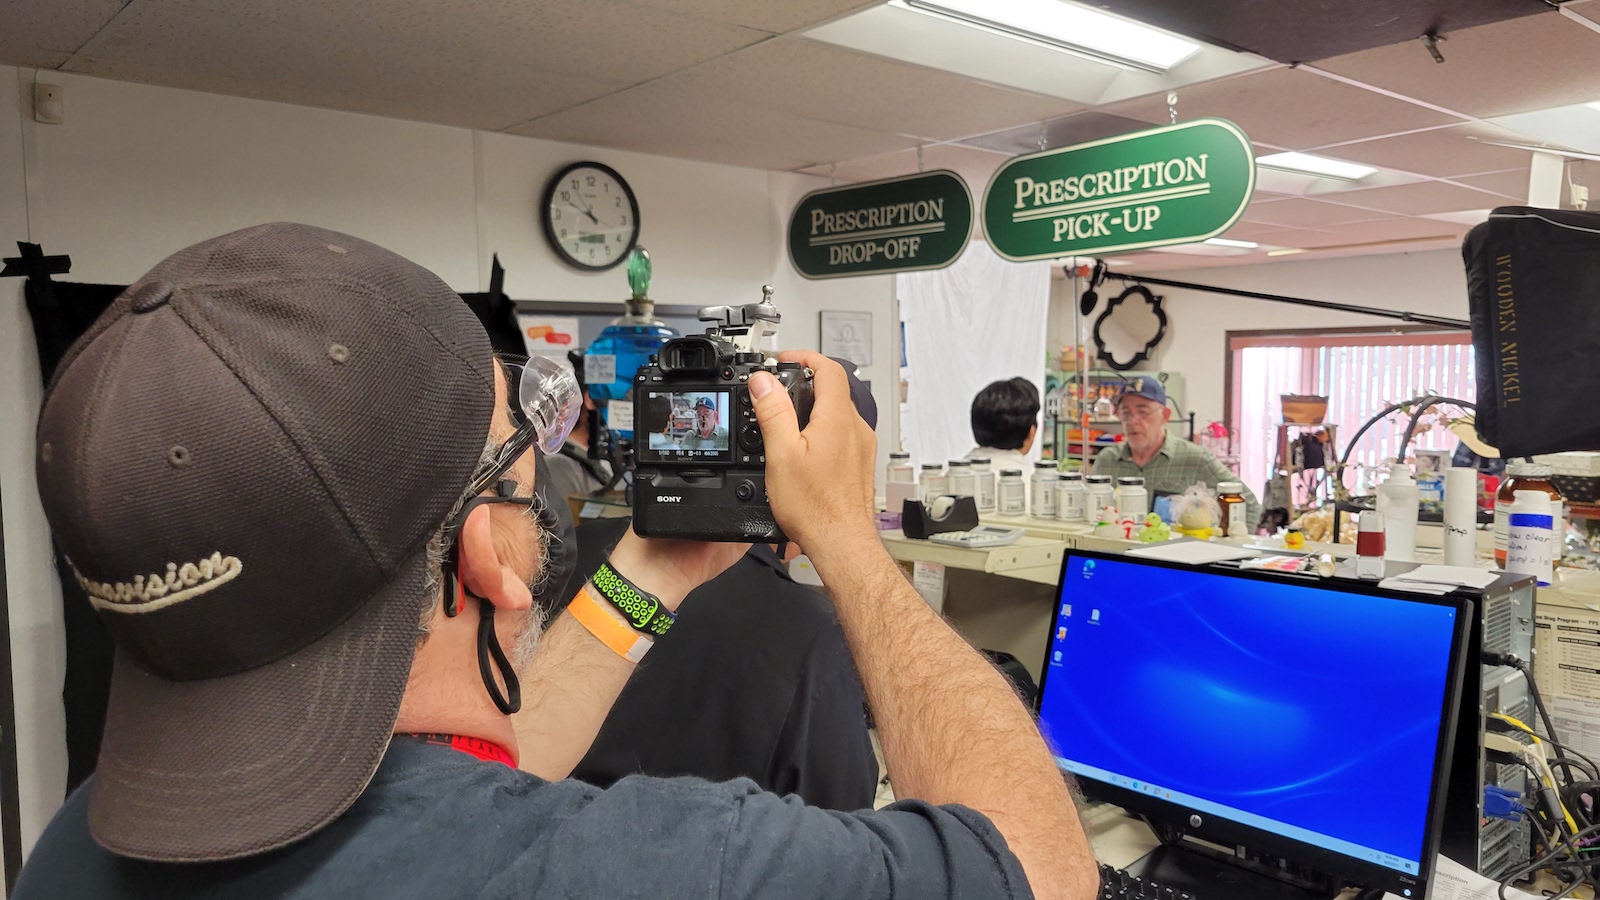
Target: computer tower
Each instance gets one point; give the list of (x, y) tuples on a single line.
[(1503, 624)]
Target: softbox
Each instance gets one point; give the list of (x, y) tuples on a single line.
[(1533, 284)]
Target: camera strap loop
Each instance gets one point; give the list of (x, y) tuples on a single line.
[(455, 593)]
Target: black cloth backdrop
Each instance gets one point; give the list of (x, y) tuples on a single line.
[(63, 310), (1533, 286)]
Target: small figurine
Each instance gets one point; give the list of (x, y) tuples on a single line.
[(1154, 531), (1196, 513)]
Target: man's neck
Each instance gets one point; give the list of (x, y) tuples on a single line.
[(1142, 459), (445, 694)]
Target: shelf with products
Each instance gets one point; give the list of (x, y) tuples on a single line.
[(1306, 476), (1066, 392)]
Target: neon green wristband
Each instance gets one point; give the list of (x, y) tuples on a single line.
[(642, 610)]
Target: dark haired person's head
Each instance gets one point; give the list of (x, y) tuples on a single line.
[(1005, 414)]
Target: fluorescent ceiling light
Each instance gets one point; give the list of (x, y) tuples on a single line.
[(1576, 127), (1068, 27), (1230, 242), (1461, 217), (1202, 248), (1541, 148), (1316, 165)]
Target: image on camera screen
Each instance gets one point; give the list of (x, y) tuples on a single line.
[(688, 424)]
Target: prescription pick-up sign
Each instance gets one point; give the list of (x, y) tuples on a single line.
[(1170, 185)]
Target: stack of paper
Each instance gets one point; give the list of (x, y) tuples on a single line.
[(1439, 579), (1192, 552)]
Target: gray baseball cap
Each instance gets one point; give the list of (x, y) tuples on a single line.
[(243, 460)]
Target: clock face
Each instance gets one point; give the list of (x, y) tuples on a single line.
[(590, 216)]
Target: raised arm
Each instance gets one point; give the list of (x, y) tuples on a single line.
[(569, 688), (953, 732)]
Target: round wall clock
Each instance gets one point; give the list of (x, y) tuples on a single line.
[(590, 216)]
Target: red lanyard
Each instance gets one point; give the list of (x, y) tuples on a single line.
[(488, 751)]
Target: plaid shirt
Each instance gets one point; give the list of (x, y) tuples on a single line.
[(1175, 468)]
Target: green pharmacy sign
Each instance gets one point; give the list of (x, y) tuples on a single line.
[(896, 225), (1171, 185)]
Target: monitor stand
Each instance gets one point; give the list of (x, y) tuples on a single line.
[(1210, 877)]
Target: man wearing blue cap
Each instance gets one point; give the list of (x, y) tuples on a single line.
[(1168, 465)]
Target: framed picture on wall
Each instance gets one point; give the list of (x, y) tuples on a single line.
[(847, 335)]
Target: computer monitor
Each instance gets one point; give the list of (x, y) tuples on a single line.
[(1306, 719)]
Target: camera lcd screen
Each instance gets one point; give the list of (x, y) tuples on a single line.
[(685, 426)]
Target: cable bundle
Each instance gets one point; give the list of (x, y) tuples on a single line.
[(1562, 811)]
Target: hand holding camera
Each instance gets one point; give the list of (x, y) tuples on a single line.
[(820, 472), (702, 459)]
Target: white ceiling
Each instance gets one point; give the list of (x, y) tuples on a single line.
[(735, 81)]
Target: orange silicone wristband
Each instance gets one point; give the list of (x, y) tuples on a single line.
[(591, 612)]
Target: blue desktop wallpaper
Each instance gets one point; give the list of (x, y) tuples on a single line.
[(1312, 707)]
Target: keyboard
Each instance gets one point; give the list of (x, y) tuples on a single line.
[(1116, 884)]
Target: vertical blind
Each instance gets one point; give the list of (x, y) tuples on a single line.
[(1360, 374)]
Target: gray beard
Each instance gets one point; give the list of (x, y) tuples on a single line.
[(531, 626)]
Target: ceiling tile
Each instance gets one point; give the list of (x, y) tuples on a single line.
[(1397, 228), (187, 44), (775, 16), (828, 83), (1536, 62), (1251, 231), (595, 40), (1513, 183), (1275, 235), (974, 166), (1442, 152), (1422, 197), (1290, 108), (1301, 237), (1077, 128), (46, 33), (1301, 213), (670, 120), (19, 54)]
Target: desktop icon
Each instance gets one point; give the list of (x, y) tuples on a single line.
[(1066, 610), (1057, 656), (1094, 616), (1061, 633)]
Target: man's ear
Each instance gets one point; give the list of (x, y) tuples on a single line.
[(482, 570)]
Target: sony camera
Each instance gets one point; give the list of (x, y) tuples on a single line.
[(700, 462)]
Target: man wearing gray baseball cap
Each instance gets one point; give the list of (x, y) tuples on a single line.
[(290, 476)]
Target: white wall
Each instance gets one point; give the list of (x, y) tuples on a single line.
[(1197, 323), (137, 172), (802, 301), (38, 643)]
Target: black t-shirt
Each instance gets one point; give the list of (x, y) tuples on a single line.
[(754, 680), (436, 823)]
